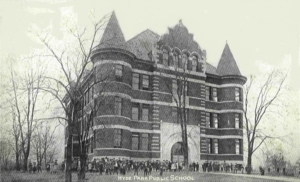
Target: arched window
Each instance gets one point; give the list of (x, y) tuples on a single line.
[(194, 63), (175, 55), (165, 57), (183, 64)]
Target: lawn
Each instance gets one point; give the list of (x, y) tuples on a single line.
[(95, 177)]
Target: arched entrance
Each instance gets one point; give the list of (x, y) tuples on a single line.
[(177, 153)]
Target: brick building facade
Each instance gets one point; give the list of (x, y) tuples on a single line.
[(136, 119)]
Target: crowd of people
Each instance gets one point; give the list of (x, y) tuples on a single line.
[(52, 167), (122, 166)]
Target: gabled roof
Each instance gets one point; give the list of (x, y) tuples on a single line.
[(179, 37), (227, 64), (142, 44), (112, 36), (211, 69)]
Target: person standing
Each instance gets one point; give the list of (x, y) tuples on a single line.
[(30, 167), (63, 166), (48, 167), (135, 168), (161, 168), (101, 164), (39, 168)]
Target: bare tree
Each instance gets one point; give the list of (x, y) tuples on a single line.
[(268, 92), (16, 135), (43, 140), (25, 90), (5, 153), (73, 61)]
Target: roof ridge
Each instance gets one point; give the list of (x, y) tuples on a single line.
[(142, 33)]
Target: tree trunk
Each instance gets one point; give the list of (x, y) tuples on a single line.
[(17, 161), (25, 160), (81, 175), (249, 162), (185, 145), (68, 172), (45, 159), (186, 149)]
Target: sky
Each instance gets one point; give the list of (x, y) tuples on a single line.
[(257, 32), (266, 31)]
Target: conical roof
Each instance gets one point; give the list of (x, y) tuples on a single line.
[(227, 64), (112, 36)]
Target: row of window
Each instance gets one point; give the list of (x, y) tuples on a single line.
[(140, 112), (140, 81), (91, 143), (213, 146), (88, 95), (139, 141), (213, 122), (211, 93), (183, 63)]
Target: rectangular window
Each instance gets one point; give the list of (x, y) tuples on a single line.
[(237, 146), (145, 113), (145, 141), (237, 120), (174, 88), (135, 81), (237, 94), (207, 119), (145, 82), (135, 141), (207, 93), (135, 112), (92, 145), (119, 71), (215, 94), (174, 114), (95, 139), (93, 91), (216, 146), (209, 145), (215, 120), (117, 138), (118, 106)]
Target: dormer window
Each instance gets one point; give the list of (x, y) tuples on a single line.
[(183, 61), (165, 57), (175, 55), (194, 63)]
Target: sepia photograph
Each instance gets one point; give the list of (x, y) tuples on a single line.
[(149, 90)]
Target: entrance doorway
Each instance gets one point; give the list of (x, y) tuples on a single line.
[(177, 153)]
